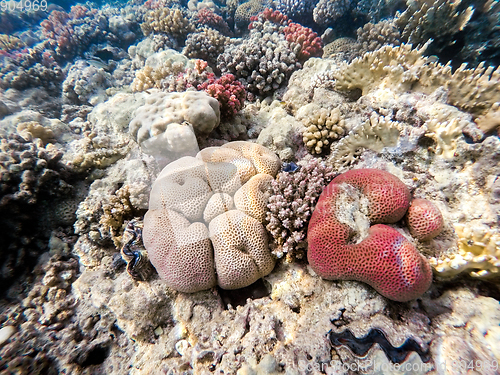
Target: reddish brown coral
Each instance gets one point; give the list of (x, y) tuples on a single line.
[(424, 219), (310, 43)]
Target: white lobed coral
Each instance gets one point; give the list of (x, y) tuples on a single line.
[(167, 123), (192, 232)]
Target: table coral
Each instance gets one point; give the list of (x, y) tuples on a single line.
[(384, 259), (178, 240)]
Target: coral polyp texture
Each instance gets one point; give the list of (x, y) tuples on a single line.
[(203, 226), (424, 219), (385, 259)]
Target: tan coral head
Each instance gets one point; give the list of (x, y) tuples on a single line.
[(204, 224)]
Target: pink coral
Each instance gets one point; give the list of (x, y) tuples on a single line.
[(310, 43), (385, 259), (424, 219), (208, 18), (274, 16), (228, 91)]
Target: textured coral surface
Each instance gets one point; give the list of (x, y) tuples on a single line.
[(390, 263)]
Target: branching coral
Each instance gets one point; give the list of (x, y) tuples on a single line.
[(322, 128), (310, 45), (403, 68), (428, 19), (373, 36), (229, 93), (374, 134), (168, 21), (293, 198), (207, 45)]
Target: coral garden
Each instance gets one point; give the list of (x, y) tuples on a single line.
[(250, 187)]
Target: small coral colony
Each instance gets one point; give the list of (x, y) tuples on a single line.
[(216, 143)]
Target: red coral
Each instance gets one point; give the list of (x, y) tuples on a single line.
[(207, 17), (310, 43), (424, 219), (386, 260), (274, 16), (228, 91)]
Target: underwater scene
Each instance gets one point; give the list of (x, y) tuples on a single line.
[(250, 187)]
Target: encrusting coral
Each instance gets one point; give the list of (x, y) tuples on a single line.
[(478, 253), (194, 237), (348, 206)]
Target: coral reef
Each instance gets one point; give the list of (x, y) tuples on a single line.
[(309, 42), (391, 264), (263, 62), (207, 45), (229, 93), (70, 34), (244, 12), (439, 21), (207, 17), (191, 210), (167, 123), (292, 201), (33, 180), (322, 128), (168, 21), (478, 253), (85, 84)]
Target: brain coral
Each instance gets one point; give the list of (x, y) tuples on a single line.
[(385, 259), (424, 219), (204, 225)]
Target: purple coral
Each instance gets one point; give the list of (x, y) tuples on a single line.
[(294, 195)]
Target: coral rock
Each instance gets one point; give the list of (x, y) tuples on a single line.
[(385, 259), (424, 219)]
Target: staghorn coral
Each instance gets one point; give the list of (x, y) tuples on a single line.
[(178, 239), (375, 134), (373, 36), (168, 21), (478, 253), (322, 128), (229, 93), (207, 45), (390, 263), (439, 20), (292, 201)]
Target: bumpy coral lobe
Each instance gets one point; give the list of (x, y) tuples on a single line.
[(386, 260), (424, 219)]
